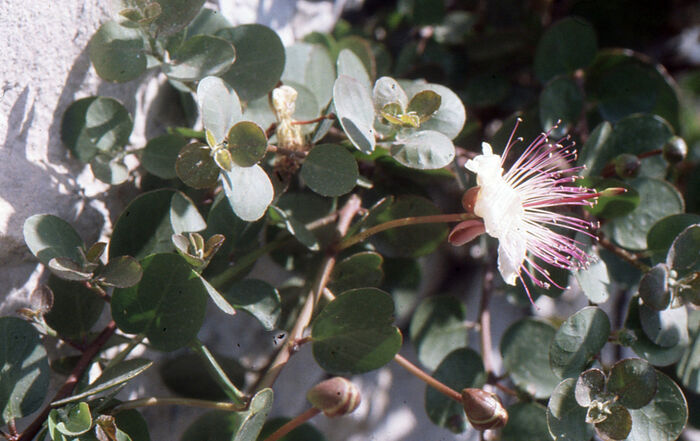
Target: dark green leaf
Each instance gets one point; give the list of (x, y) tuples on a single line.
[(363, 50), (590, 386), (665, 328), (360, 270), (664, 231), (684, 254), (595, 280), (568, 45), (354, 333), (255, 417), (167, 305), (117, 52), (195, 166), (664, 418), (633, 380), (187, 375), (526, 422), (611, 206), (198, 57), (561, 103), (304, 432), (258, 298), (75, 310), (438, 328), (131, 422), (108, 170), (642, 346), (566, 419), (425, 103), (48, 236), (247, 143), (121, 272), (654, 289), (355, 110), (461, 369), (259, 60), (616, 425), (95, 125), (249, 191), (310, 65), (25, 370), (71, 421), (592, 148), (525, 349), (424, 150), (176, 14), (217, 425), (330, 170), (688, 368), (577, 340)]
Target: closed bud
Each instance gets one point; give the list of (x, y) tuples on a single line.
[(335, 397), (675, 150), (484, 409), (627, 165), (469, 199)]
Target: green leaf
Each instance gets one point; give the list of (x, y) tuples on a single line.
[(249, 191), (665, 328), (255, 417), (577, 340), (361, 270), (461, 369), (108, 170), (592, 148), (219, 106), (654, 289), (131, 422), (310, 65), (24, 382), (247, 143), (486, 89), (657, 199), (566, 419), (196, 167), (664, 418), (561, 103), (187, 376), (121, 272), (111, 377), (616, 425), (410, 241), (387, 91), (95, 125), (349, 64), (354, 333), (306, 107), (662, 234), (567, 45), (355, 110), (526, 422), (176, 14), (69, 270), (590, 386), (73, 421), (217, 425), (259, 60), (303, 432), (450, 116), (363, 50), (437, 328), (330, 170), (623, 83), (148, 222), (684, 254), (75, 310), (198, 57), (644, 347), (424, 150), (525, 349), (425, 103), (595, 280), (633, 380), (117, 52), (48, 236), (167, 305), (296, 228), (259, 299)]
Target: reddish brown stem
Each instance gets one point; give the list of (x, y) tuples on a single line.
[(293, 424), (623, 254), (315, 120), (287, 152), (65, 390), (432, 382)]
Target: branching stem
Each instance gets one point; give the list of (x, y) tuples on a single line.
[(623, 254)]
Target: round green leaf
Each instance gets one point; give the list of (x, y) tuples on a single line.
[(24, 382), (595, 280), (295, 228), (437, 328), (149, 221), (567, 45), (306, 107), (117, 52), (354, 333), (75, 310), (360, 270), (187, 375), (665, 328), (654, 289), (683, 256), (525, 349), (657, 199), (664, 418), (486, 89), (633, 380), (249, 191), (425, 103), (218, 425), (590, 386), (355, 111), (592, 148), (461, 369), (566, 419), (259, 60), (387, 91), (526, 422), (73, 421), (195, 166), (108, 170), (176, 14), (247, 143), (310, 65), (258, 298), (93, 125), (577, 340), (616, 425), (121, 272), (48, 236), (424, 150), (349, 64), (561, 102), (449, 117), (664, 231), (167, 305), (362, 49), (644, 347), (198, 57), (414, 240), (304, 432), (69, 270), (160, 154), (219, 105), (330, 170)]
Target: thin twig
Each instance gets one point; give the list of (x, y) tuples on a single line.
[(178, 401), (293, 424), (623, 254), (288, 152), (315, 120), (432, 382)]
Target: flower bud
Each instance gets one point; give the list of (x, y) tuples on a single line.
[(483, 409), (335, 397), (675, 150), (627, 165), (469, 199)]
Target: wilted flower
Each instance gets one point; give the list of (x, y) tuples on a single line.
[(516, 208)]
